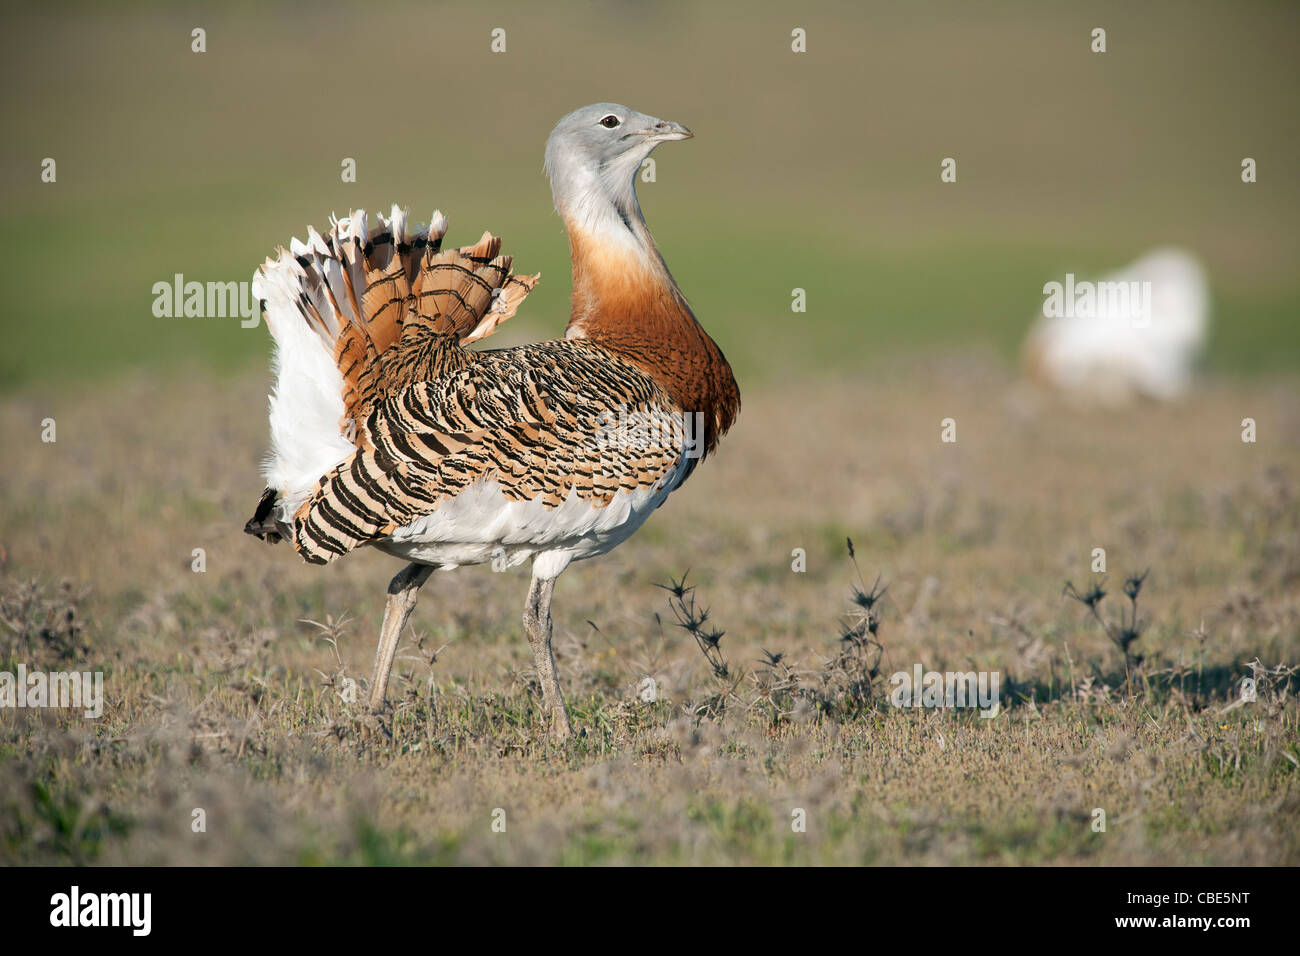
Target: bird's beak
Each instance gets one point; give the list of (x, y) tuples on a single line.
[(665, 132)]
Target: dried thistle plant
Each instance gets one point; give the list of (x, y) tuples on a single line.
[(777, 688), (849, 679), (691, 618), (1128, 629)]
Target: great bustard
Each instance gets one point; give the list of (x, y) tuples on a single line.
[(387, 431), (1137, 331)]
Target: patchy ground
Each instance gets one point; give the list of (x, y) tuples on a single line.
[(222, 695)]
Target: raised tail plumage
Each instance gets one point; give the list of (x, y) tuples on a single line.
[(355, 314)]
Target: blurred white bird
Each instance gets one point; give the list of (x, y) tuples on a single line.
[(1134, 332)]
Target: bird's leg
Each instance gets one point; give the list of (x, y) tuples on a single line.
[(402, 591), (537, 624)]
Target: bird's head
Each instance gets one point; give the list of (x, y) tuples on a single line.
[(592, 157)]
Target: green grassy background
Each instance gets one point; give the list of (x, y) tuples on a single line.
[(818, 170)]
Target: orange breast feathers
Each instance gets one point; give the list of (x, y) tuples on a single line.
[(625, 299)]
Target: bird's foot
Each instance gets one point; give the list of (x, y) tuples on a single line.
[(561, 729)]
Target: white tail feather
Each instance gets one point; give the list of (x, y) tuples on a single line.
[(304, 307)]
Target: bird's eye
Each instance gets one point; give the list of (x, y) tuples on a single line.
[(610, 121)]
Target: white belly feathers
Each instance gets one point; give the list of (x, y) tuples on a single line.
[(481, 525)]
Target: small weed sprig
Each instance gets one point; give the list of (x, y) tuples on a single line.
[(777, 688), (1124, 634), (691, 618), (852, 674), (331, 631), (1272, 694)]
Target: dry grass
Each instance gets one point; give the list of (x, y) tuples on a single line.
[(221, 695)]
